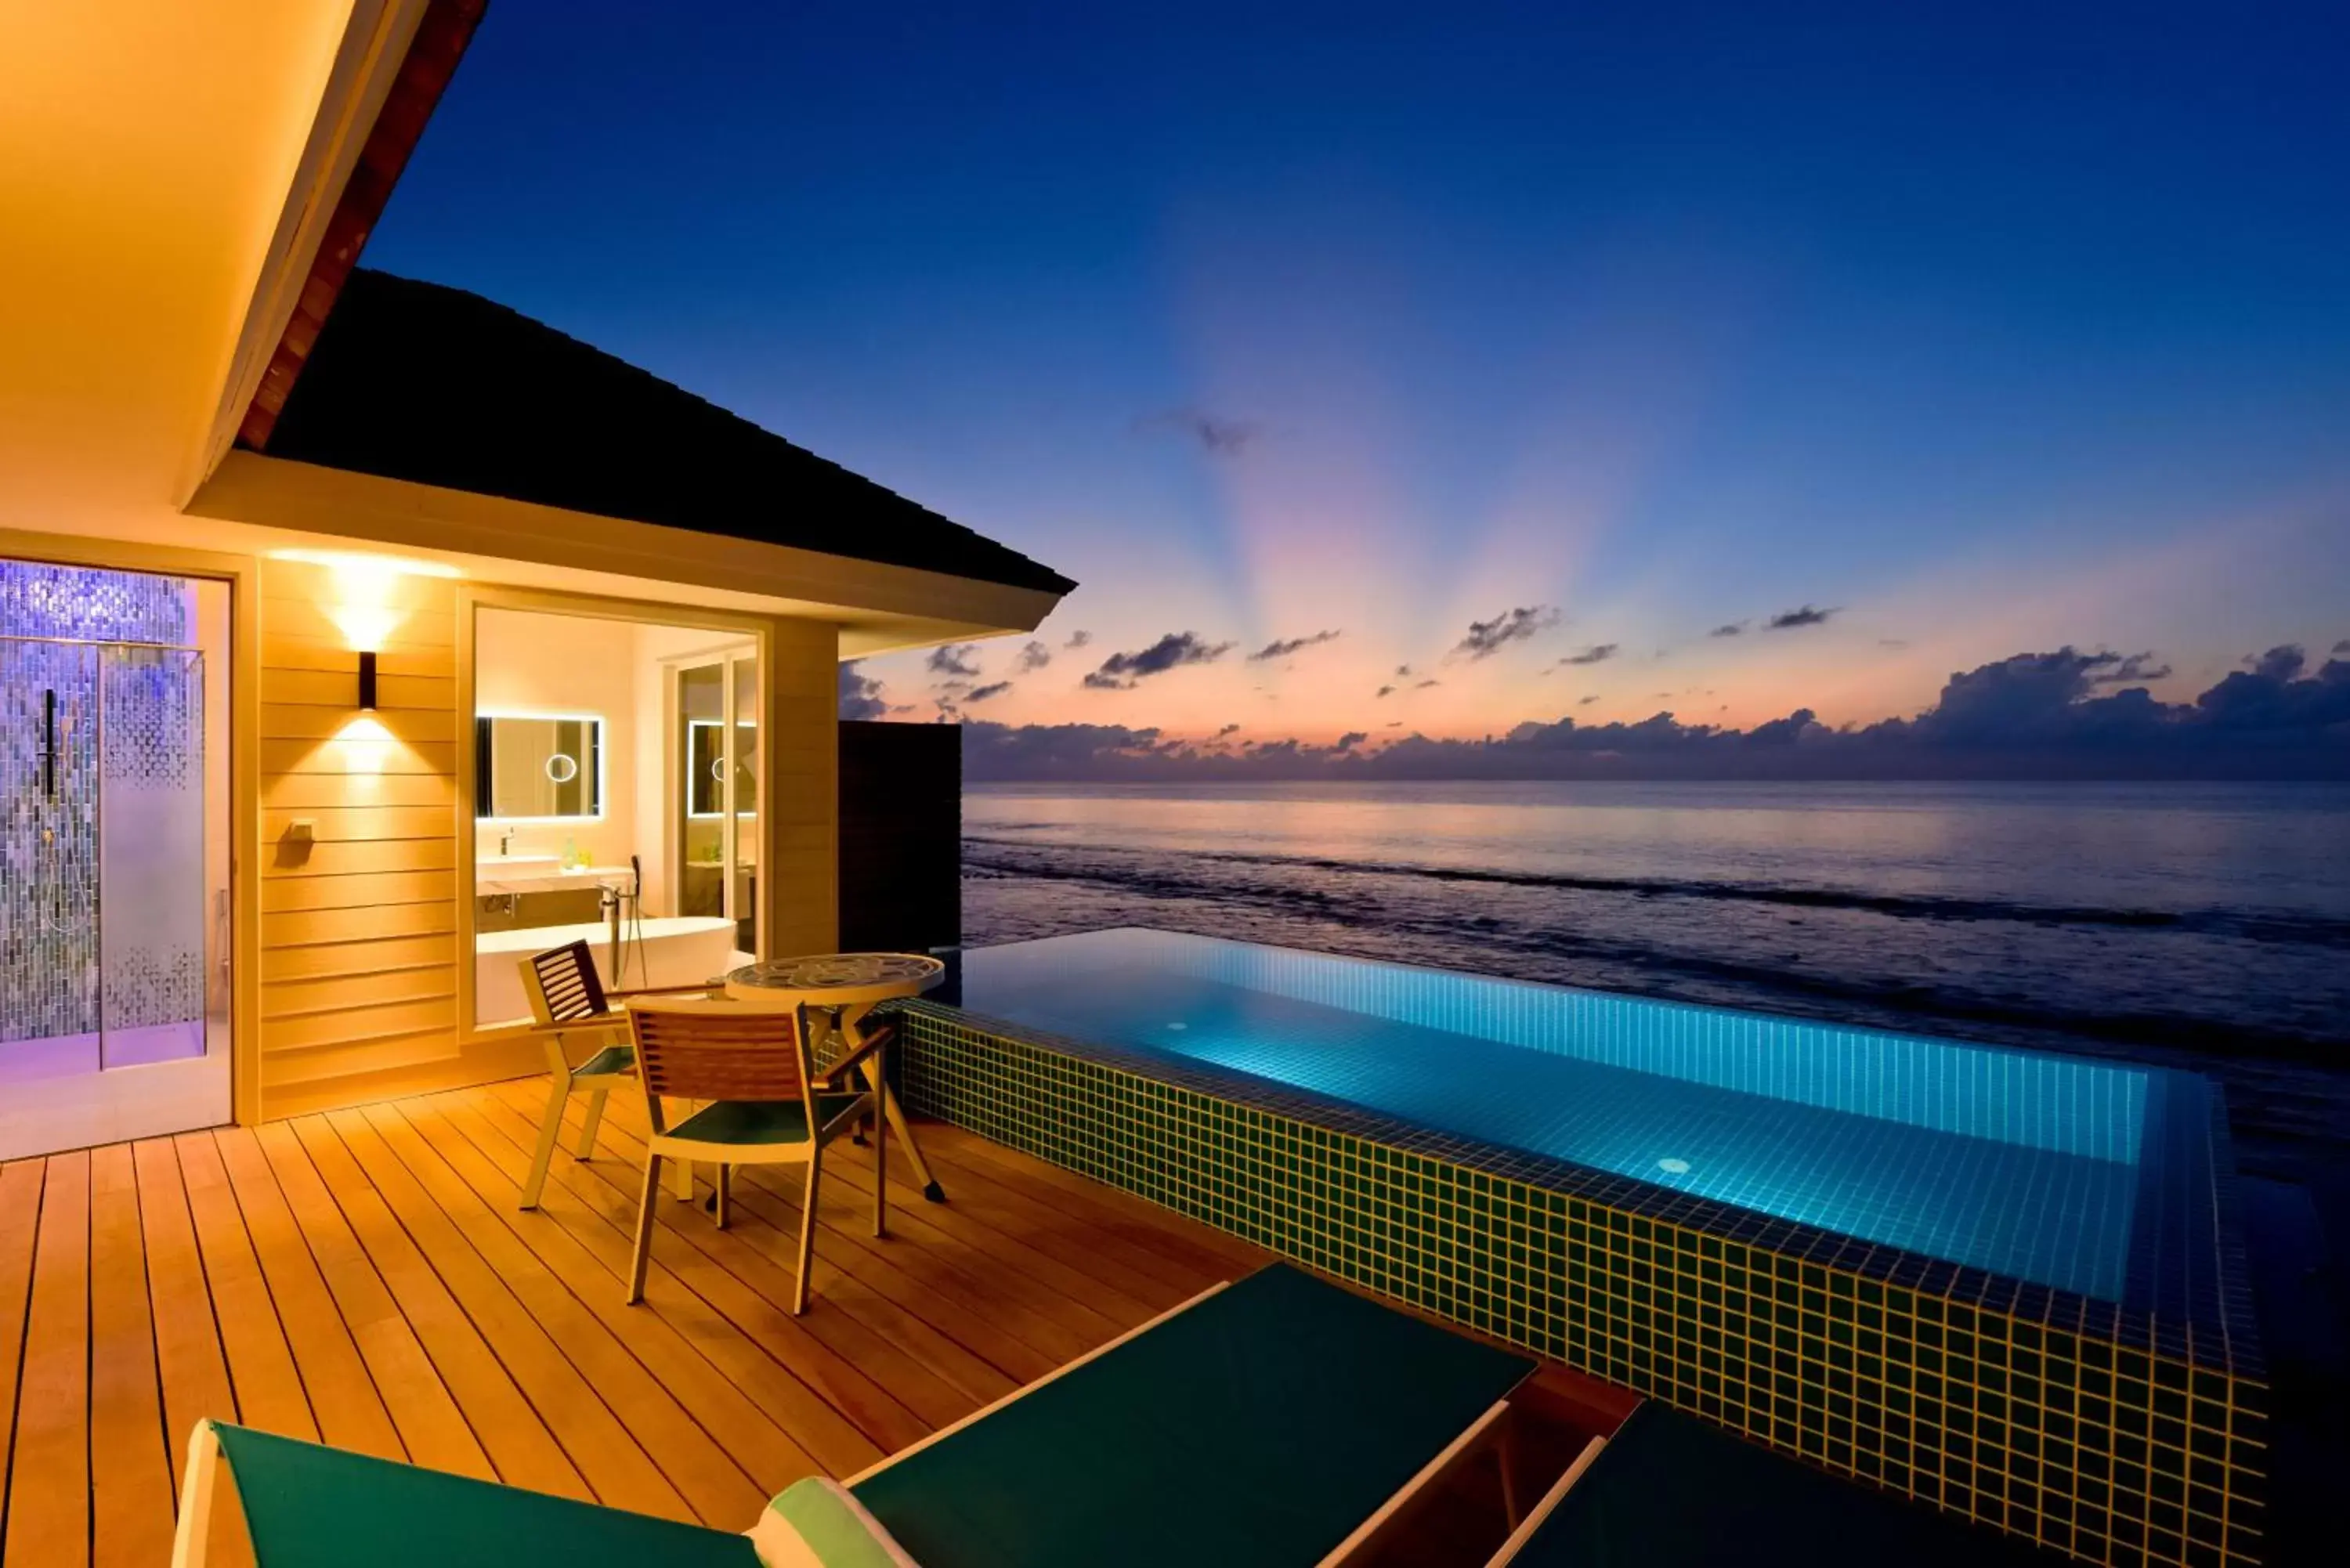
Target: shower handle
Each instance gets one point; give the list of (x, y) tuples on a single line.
[(49, 743)]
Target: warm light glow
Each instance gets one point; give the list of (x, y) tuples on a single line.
[(364, 627), (364, 605), (362, 564), (364, 743)]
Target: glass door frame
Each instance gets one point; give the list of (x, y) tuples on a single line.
[(728, 658), (518, 1051), (225, 1082)]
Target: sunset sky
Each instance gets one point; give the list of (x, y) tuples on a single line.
[(1940, 342)]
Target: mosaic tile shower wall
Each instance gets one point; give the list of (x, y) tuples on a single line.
[(2111, 1451), (56, 784)]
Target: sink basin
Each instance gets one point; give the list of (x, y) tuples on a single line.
[(517, 865), (538, 874)]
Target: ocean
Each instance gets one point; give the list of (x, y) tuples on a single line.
[(2204, 927)]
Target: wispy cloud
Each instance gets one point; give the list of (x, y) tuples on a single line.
[(1426, 684), (1228, 730), (1120, 671), (1488, 638), (981, 694), (1597, 653), (1283, 647), (1586, 701), (1384, 691), (2114, 670), (1078, 639), (1729, 628), (1034, 656), (1350, 739), (2342, 646), (955, 658), (1788, 620), (1216, 435)]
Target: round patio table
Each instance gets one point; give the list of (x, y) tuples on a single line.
[(845, 987)]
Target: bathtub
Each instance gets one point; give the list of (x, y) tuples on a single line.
[(679, 950)]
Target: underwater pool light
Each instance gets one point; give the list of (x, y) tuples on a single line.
[(1673, 1166)]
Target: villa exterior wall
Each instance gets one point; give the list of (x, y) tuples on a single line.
[(365, 977), (2112, 1452)]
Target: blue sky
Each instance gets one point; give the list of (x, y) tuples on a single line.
[(1985, 331)]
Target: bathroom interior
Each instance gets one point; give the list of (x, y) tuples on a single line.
[(616, 795), (113, 851)]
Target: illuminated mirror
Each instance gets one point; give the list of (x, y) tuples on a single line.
[(538, 765)]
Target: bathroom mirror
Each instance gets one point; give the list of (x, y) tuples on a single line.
[(705, 768), (538, 765)]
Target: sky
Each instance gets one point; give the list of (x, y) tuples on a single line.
[(1448, 370)]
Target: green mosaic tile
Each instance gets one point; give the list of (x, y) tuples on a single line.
[(2098, 1448)]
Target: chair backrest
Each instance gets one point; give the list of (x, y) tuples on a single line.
[(562, 984), (707, 1049)]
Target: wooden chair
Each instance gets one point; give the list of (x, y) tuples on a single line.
[(766, 1104), (567, 1001)]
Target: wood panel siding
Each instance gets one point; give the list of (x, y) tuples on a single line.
[(359, 954), (364, 973), (799, 799), (365, 1278)]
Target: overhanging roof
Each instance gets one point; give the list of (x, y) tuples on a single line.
[(432, 385)]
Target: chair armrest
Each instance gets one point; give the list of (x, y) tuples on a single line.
[(704, 989), (594, 1021)]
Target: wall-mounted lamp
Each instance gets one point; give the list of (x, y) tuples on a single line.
[(367, 681)]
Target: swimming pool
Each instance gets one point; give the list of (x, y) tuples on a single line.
[(2073, 1174), (2004, 1283)]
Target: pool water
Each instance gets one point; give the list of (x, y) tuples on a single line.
[(2033, 1167)]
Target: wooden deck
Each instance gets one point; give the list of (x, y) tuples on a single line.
[(364, 1278)]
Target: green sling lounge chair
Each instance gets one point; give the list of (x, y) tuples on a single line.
[(1669, 1491), (1279, 1421)]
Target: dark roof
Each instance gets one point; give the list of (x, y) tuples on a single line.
[(418, 382)]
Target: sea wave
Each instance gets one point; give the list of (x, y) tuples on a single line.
[(2251, 925)]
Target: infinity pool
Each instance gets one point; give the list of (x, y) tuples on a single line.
[(2054, 1170)]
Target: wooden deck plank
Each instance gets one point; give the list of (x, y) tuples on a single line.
[(49, 1474), (1199, 1250), (270, 1396), (728, 1276), (189, 1363), (933, 1376), (391, 1329), (1076, 1325), (941, 1284), (366, 1275), (814, 1425), (20, 1226), (131, 1492), (343, 1398), (456, 1173), (408, 1235), (702, 1470), (993, 1362)]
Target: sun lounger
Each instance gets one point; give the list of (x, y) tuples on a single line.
[(1279, 1422), (1669, 1491)]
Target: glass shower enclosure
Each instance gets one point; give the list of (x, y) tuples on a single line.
[(113, 870)]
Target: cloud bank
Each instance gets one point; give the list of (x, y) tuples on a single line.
[(2052, 715)]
